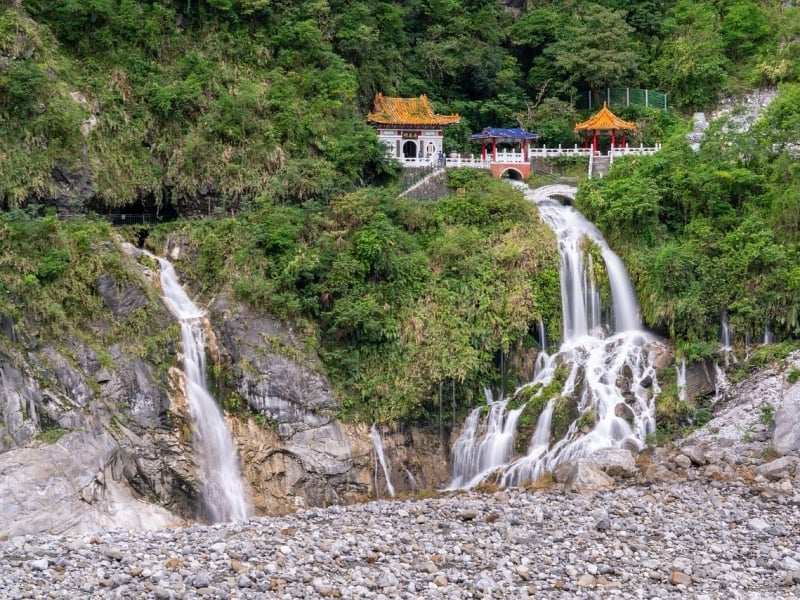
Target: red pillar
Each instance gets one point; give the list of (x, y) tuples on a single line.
[(525, 150), (494, 149), (613, 138), (483, 149), (623, 138), (594, 140), (586, 141)]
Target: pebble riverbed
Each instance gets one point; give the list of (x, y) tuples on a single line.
[(701, 539)]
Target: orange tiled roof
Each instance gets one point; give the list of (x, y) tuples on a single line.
[(604, 119), (407, 111)]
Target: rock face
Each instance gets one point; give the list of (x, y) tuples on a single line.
[(87, 433), (699, 380), (74, 188), (786, 437), (77, 485), (294, 450)]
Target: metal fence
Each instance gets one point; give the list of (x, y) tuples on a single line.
[(127, 219), (621, 97)]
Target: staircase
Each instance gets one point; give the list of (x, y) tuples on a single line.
[(599, 165), (428, 185)]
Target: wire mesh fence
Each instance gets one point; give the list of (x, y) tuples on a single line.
[(621, 97), (128, 219)]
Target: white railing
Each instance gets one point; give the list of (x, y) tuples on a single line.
[(470, 160), (545, 152), (633, 150), (476, 162), (424, 161)]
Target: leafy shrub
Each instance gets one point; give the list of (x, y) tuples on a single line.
[(23, 85), (277, 229), (52, 265)]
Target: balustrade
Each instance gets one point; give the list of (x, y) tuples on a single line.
[(470, 160)]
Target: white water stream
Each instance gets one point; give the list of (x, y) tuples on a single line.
[(611, 375), (377, 444), (725, 333), (681, 379), (224, 496)]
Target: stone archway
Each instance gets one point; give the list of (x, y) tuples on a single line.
[(512, 174), (518, 171), (410, 149)]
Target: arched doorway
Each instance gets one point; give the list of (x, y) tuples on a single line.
[(410, 149), (430, 149), (512, 173)]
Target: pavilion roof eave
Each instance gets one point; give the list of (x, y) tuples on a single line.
[(410, 125), (500, 134), (604, 120), (407, 112)]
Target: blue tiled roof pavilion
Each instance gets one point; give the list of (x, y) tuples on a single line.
[(504, 134)]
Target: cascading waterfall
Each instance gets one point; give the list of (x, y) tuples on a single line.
[(543, 358), (224, 495), (494, 447), (377, 443), (681, 379), (611, 375)]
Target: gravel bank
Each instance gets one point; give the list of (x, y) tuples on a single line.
[(692, 539)]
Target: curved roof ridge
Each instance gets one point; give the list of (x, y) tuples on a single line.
[(604, 119), (407, 111)]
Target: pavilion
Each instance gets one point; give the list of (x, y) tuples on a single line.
[(604, 121), (497, 135), (409, 128)]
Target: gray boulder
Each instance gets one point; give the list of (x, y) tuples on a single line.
[(695, 454), (582, 476), (616, 462), (778, 468)]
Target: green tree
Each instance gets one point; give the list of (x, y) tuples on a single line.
[(692, 66), (594, 49), (553, 119), (743, 28)]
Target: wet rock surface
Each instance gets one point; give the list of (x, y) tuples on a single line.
[(699, 539)]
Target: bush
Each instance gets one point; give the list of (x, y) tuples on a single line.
[(53, 264)]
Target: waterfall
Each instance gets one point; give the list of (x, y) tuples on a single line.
[(543, 359), (378, 445), (542, 336), (412, 482), (767, 335), (224, 495), (725, 334), (474, 452), (681, 379), (610, 382)]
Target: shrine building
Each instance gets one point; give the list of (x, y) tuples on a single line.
[(409, 128)]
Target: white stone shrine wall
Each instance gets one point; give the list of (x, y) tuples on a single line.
[(429, 141)]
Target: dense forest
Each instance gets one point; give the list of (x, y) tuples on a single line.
[(256, 108)]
